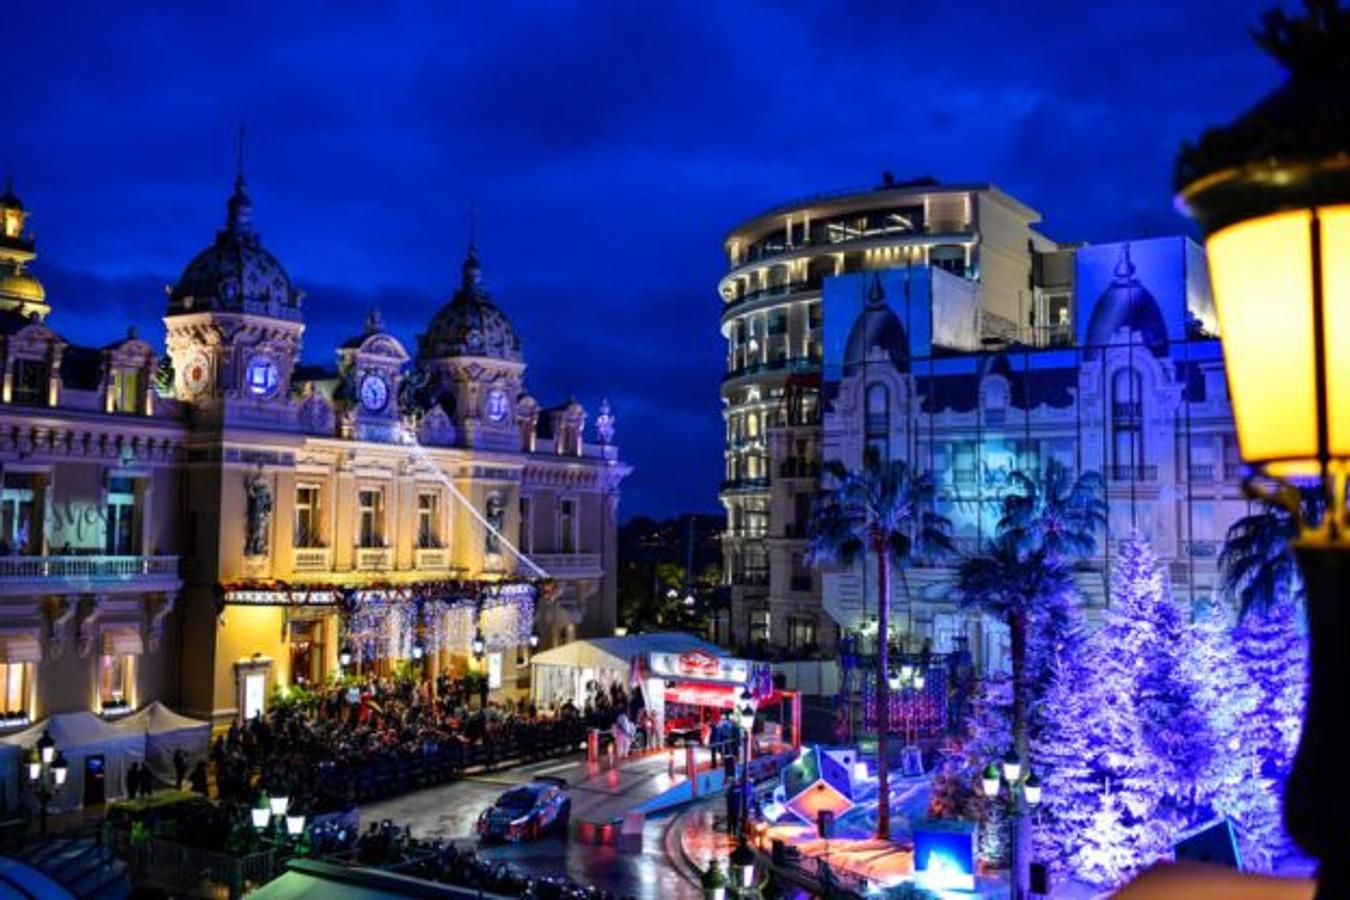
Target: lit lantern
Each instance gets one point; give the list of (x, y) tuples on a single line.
[(989, 782), (534, 640), (295, 825), (742, 864), (46, 747), (60, 768), (417, 650), (1032, 789), (34, 766), (345, 656), (279, 804), (479, 645), (1271, 192), (261, 815), (1012, 767)]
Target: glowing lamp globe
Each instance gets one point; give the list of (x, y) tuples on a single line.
[(893, 679), (1012, 767), (279, 804), (417, 651), (742, 864), (261, 815), (1032, 789), (1271, 193), (34, 768), (918, 681), (534, 640), (295, 825), (345, 657), (478, 645), (46, 747), (989, 782), (60, 768)]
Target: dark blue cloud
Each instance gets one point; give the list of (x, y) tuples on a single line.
[(608, 148)]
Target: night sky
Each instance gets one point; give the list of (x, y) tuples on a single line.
[(608, 148)]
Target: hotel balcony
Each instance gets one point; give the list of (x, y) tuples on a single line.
[(79, 574), (374, 559), (1133, 473), (569, 565), (431, 559), (313, 559)]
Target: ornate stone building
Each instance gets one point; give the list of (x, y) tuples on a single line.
[(1104, 358), (210, 524)]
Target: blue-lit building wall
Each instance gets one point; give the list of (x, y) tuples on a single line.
[(1132, 387)]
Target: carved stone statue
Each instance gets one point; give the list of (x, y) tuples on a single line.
[(604, 423), (258, 515), (164, 377), (495, 513)]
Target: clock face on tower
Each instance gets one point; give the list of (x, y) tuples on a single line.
[(497, 407), (197, 374), (374, 392), (261, 377)]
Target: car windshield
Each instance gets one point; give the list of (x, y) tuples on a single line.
[(516, 801)]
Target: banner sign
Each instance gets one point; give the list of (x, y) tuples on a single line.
[(697, 665)]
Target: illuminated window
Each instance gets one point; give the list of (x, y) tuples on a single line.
[(801, 633), (120, 531), (30, 385), (307, 652), (128, 386), (878, 403), (428, 520), (116, 678), (370, 531), (308, 530), (759, 626), (1127, 440), (19, 525), (14, 690)]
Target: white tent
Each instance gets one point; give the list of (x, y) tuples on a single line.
[(79, 736), (564, 672), (166, 731)]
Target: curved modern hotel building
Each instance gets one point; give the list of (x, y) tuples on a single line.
[(773, 322), (937, 324)]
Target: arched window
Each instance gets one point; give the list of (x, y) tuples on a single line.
[(878, 422), (1127, 415)]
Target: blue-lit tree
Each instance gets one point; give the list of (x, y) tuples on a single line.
[(1024, 577)]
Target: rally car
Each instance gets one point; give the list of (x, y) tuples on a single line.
[(527, 811)]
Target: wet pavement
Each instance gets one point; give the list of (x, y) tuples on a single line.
[(450, 812)]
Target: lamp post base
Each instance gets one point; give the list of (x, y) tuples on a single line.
[(1317, 797)]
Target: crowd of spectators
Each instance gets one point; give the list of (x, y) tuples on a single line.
[(360, 742)]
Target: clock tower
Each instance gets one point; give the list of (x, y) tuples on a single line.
[(234, 326), (470, 356), (370, 381)]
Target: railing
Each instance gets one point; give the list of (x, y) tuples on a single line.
[(313, 559), (1202, 474), (794, 467), (797, 364), (1127, 410), (179, 869), (374, 558), (93, 568), (1200, 548), (745, 484), (431, 559), (768, 293), (567, 563), (758, 577), (1134, 473)]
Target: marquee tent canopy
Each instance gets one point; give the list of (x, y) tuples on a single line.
[(562, 672)]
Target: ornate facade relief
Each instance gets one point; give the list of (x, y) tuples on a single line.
[(258, 515)]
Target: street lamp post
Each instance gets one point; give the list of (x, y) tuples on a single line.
[(742, 859), (47, 770), (1023, 794), (1271, 192)]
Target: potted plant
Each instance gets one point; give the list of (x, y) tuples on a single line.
[(714, 882)]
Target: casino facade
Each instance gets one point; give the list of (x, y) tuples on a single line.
[(212, 522)]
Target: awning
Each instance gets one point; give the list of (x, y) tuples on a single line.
[(20, 647), (122, 640)]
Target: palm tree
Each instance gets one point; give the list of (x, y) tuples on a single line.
[(1256, 566), (1046, 521), (884, 509)]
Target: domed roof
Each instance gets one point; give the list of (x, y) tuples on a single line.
[(876, 326), (21, 286), (236, 273), (1127, 304), (470, 324)]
